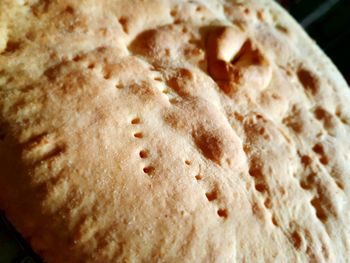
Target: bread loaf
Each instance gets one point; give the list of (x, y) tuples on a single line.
[(171, 131)]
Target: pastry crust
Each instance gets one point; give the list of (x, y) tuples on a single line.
[(171, 131)]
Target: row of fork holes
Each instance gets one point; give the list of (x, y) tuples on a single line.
[(211, 196), (174, 13), (77, 58), (91, 66), (166, 91), (143, 154), (262, 188), (159, 79)]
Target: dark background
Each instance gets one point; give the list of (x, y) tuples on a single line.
[(328, 23)]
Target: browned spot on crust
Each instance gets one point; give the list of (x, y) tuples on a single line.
[(210, 145), (198, 177), (320, 212), (149, 170), (136, 121), (222, 213), (211, 196), (138, 135), (12, 46), (124, 23), (143, 154), (296, 239), (306, 160), (309, 81)]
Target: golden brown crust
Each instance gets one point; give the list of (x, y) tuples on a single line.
[(171, 131)]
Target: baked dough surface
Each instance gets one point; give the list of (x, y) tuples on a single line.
[(171, 131)]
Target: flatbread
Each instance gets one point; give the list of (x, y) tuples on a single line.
[(171, 131)]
